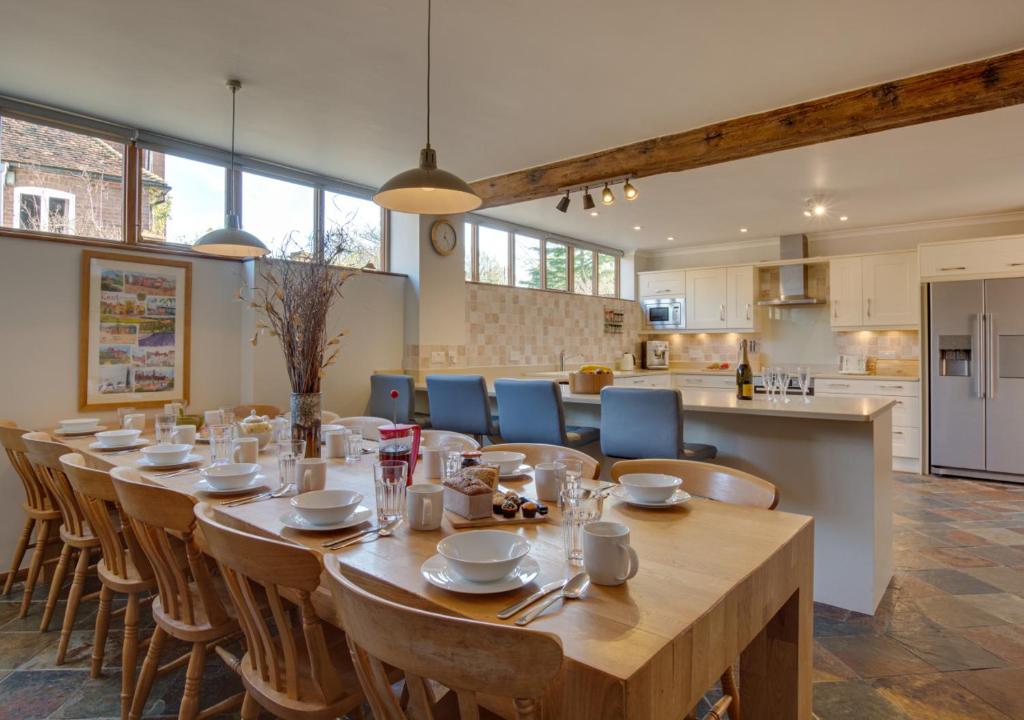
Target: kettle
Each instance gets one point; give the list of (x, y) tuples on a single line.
[(628, 361)]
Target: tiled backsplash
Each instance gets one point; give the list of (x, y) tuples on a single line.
[(513, 326), (885, 344), (708, 347)]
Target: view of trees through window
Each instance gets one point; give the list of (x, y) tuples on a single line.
[(492, 255), (583, 271), (556, 265), (527, 269)]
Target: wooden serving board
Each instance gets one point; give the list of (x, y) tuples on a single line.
[(460, 523)]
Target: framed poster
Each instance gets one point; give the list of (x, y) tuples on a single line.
[(135, 331)]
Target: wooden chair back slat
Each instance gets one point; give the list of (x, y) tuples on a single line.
[(250, 564), (162, 521), (468, 656), (44, 456), (717, 482), (540, 452), (36, 495)]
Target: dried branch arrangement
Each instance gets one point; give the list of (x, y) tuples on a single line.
[(297, 289)]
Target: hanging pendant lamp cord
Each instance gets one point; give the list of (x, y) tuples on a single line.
[(429, 14), (231, 175)]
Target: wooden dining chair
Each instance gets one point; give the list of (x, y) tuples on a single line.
[(188, 607), (293, 668), (541, 453), (243, 411), (123, 568), (470, 658), (42, 518), (76, 532), (725, 485)]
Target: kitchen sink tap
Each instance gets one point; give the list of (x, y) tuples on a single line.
[(562, 357)]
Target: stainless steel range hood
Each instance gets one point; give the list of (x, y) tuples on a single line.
[(792, 278)]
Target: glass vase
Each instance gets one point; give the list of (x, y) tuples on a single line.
[(305, 409)]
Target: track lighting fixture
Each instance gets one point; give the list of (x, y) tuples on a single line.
[(563, 204), (607, 195), (588, 199), (607, 198), (629, 191)]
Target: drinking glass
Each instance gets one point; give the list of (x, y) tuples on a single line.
[(289, 452), (229, 419), (572, 478), (221, 450), (165, 428), (354, 446), (803, 377), (768, 380), (580, 507), (782, 379), (452, 464), (389, 488)]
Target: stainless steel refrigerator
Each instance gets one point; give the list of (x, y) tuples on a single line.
[(976, 373)]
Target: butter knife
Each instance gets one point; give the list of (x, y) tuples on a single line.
[(330, 544), (526, 602)]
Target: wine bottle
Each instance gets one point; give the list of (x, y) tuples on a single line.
[(744, 375)]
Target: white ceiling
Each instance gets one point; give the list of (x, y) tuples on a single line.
[(336, 86)]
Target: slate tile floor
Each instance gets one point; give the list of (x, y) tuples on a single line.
[(947, 641)]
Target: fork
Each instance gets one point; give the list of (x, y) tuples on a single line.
[(176, 473), (280, 492)]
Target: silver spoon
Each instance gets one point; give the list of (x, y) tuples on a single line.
[(573, 590), (280, 492), (384, 531)]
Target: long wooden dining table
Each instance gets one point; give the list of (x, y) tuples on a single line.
[(716, 582)]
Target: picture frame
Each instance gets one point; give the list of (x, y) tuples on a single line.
[(135, 331)]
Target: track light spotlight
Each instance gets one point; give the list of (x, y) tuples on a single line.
[(629, 191), (563, 204), (607, 198), (588, 199)]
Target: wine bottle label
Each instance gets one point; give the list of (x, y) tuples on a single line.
[(748, 390)]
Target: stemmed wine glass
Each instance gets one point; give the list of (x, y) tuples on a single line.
[(768, 378), (782, 380), (803, 377)]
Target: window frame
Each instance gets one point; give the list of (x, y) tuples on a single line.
[(44, 195)]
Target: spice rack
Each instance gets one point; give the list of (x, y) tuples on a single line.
[(613, 321)]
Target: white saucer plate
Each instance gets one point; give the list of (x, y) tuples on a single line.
[(100, 447), (259, 481), (293, 520), (679, 497), (521, 470), (436, 572), (79, 433), (147, 464)]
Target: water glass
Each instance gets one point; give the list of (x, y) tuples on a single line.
[(580, 507), (572, 478), (354, 447), (768, 380), (289, 452), (389, 487), (229, 419), (165, 425), (803, 378), (782, 379), (452, 464), (221, 448)]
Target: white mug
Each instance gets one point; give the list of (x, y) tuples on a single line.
[(607, 555), (245, 450), (424, 506), (433, 462), (547, 477), (310, 474), (337, 443), (213, 417), (134, 421), (184, 434)]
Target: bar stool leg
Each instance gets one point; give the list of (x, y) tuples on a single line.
[(19, 553), (56, 582), (148, 673), (129, 652), (250, 708), (193, 677), (99, 642), (74, 597)]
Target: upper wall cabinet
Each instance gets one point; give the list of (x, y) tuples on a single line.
[(969, 259), (663, 283), (880, 290), (707, 293), (740, 298)]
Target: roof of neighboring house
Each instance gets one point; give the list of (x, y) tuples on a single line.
[(28, 143)]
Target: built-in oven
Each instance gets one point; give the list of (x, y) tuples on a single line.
[(665, 313)]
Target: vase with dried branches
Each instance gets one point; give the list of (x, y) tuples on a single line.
[(293, 293)]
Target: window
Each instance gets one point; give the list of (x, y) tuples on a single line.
[(607, 275), (59, 181), (528, 272), (492, 254), (556, 265), (280, 213), (582, 271), (467, 244), (182, 199), (360, 220)]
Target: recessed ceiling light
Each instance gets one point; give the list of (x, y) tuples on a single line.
[(743, 229), (819, 210), (637, 227), (807, 213), (594, 213), (670, 238), (843, 218)]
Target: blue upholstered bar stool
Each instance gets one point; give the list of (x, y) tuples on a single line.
[(646, 423), (531, 411), (460, 403), (381, 404)]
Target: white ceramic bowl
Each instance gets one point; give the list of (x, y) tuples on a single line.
[(79, 424), (230, 476), (507, 462), (167, 453), (118, 438), (483, 555), (650, 487), (263, 438), (325, 507)]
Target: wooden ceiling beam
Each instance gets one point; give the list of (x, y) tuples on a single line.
[(951, 92)]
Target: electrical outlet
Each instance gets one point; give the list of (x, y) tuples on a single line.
[(437, 357)]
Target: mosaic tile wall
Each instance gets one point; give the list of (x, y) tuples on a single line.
[(891, 344), (708, 347)]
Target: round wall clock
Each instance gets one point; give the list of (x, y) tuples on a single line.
[(443, 237)]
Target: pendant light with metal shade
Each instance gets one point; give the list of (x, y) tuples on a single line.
[(232, 240), (427, 190)]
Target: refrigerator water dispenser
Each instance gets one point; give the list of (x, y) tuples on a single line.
[(955, 355)]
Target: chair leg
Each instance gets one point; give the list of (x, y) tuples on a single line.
[(74, 597), (148, 673), (42, 533), (193, 678), (250, 708), (56, 583), (730, 688), (129, 652), (99, 641), (19, 553)]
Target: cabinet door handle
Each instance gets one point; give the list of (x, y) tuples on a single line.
[(721, 313), (1014, 264), (748, 311), (869, 307), (954, 267), (891, 387), (897, 432), (835, 385), (835, 309)]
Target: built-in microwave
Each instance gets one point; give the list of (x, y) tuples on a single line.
[(665, 313)]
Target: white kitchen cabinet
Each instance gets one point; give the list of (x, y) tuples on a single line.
[(880, 290), (704, 382), (652, 380), (991, 257), (662, 283), (706, 298), (739, 311)]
